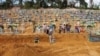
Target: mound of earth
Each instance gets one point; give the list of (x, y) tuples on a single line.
[(69, 44)]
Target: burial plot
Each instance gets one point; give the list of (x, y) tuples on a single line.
[(94, 38)]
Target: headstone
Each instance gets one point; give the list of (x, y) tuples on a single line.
[(94, 38)]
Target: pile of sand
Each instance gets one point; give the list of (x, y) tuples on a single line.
[(70, 44), (21, 50)]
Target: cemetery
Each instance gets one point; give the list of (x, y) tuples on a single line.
[(50, 32), (49, 27)]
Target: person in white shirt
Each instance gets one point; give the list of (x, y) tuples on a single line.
[(51, 37), (45, 28)]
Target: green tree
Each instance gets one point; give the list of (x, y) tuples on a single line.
[(37, 4), (21, 3), (5, 5), (72, 4), (28, 5), (9, 3), (86, 5), (83, 4), (59, 3), (31, 0), (43, 4), (65, 3)]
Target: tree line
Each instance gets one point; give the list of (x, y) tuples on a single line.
[(42, 4)]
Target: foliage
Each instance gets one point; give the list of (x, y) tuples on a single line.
[(20, 3), (5, 5), (28, 5), (89, 26), (44, 4)]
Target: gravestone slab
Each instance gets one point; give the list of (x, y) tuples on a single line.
[(94, 38)]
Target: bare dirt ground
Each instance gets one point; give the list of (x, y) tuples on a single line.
[(69, 44)]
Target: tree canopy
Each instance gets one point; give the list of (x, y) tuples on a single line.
[(42, 4)]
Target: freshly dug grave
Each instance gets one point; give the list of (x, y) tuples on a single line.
[(70, 44)]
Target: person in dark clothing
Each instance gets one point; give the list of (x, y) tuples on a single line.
[(1, 27), (34, 28), (54, 26), (36, 39), (68, 27), (51, 38), (77, 29), (11, 28), (60, 29), (47, 32)]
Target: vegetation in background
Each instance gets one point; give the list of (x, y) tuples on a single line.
[(46, 4)]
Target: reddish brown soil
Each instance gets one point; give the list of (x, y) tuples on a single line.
[(69, 44)]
